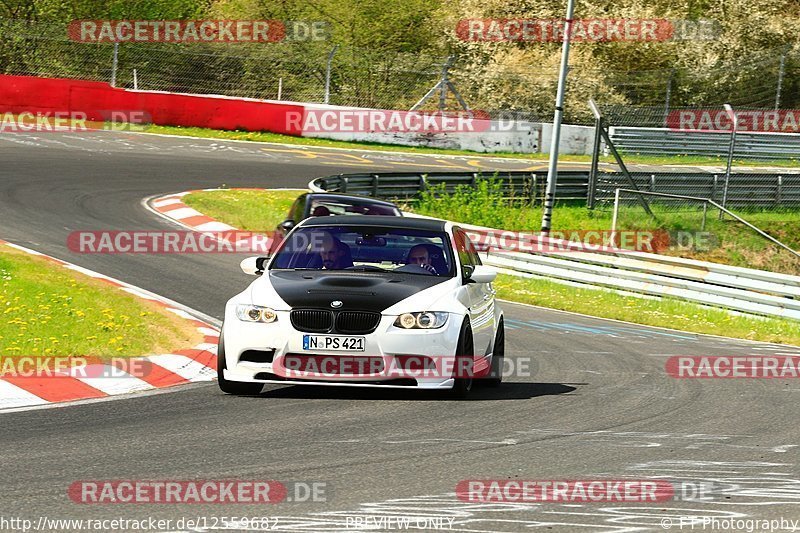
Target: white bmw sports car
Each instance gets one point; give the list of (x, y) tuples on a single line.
[(368, 301)]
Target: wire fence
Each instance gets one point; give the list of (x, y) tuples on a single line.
[(743, 158), (728, 159), (696, 229), (392, 80)]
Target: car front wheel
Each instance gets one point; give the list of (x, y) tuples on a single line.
[(498, 354), (464, 362)]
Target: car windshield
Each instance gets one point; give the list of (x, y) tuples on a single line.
[(330, 206), (369, 249)]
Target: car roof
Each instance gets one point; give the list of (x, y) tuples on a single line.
[(336, 196), (426, 224)]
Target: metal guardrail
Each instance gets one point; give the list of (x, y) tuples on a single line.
[(674, 283), (744, 189), (665, 141), (573, 185), (740, 289)]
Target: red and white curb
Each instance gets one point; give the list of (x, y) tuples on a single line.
[(164, 370), (173, 209)]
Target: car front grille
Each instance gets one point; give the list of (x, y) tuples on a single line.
[(357, 322), (312, 320), (323, 321)]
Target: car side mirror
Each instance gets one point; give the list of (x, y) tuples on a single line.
[(287, 225), (480, 273), (254, 266)]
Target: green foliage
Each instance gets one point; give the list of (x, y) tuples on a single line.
[(48, 310), (730, 242), (390, 53)]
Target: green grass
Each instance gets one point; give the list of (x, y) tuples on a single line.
[(258, 211), (47, 310), (732, 242), (252, 210), (662, 312), (268, 137)]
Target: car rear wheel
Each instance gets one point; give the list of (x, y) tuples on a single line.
[(498, 354), (464, 363), (237, 388)]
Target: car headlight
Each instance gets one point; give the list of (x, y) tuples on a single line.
[(255, 313), (423, 320)]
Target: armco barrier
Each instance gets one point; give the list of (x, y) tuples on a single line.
[(665, 141), (740, 289), (745, 189), (572, 184), (41, 95)]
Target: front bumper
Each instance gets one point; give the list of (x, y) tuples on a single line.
[(392, 357)]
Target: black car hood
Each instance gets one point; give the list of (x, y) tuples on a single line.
[(362, 291)]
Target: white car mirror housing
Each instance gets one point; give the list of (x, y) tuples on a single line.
[(483, 274), (254, 266)]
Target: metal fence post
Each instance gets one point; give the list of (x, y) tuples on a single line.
[(114, 63), (280, 88), (328, 74), (705, 212), (779, 191), (614, 217), (552, 169), (781, 72), (714, 187), (669, 95), (731, 148), (135, 81), (598, 136)]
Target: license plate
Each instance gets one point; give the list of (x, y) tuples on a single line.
[(333, 343)]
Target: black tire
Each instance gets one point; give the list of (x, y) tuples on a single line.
[(464, 352), (237, 388), (498, 354)]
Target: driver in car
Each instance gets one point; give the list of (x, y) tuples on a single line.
[(334, 253), (419, 255)]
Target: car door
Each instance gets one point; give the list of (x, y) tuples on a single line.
[(479, 296)]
